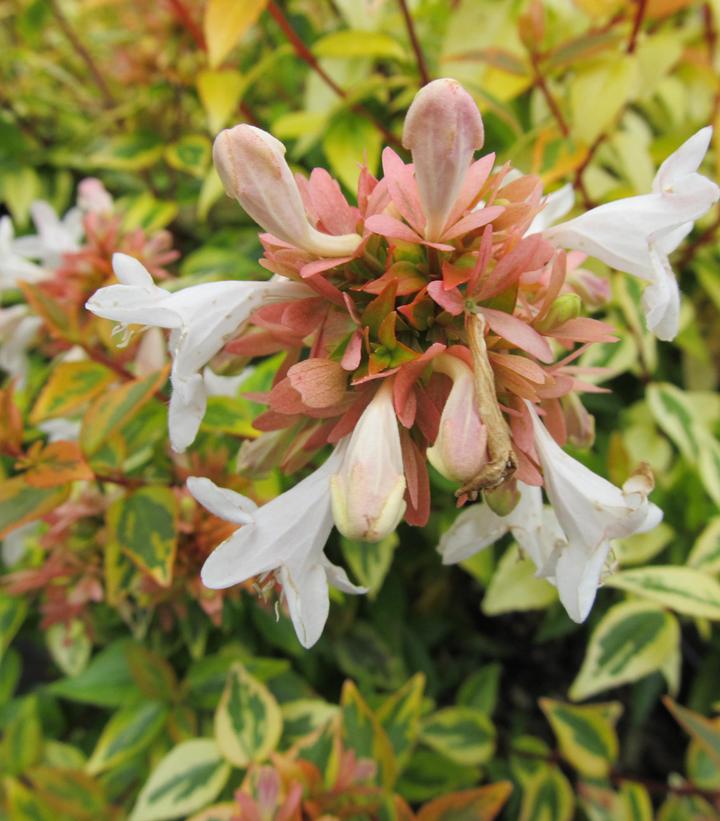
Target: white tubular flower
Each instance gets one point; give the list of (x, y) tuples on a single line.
[(637, 234), (368, 489), (18, 329), (590, 509), (54, 237), (459, 452), (285, 536), (14, 266), (202, 319), (556, 206), (251, 164), (443, 128)]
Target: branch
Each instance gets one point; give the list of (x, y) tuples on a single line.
[(415, 43), (304, 53), (183, 15), (639, 17), (83, 53)]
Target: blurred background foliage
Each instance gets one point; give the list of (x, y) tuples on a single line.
[(127, 690)]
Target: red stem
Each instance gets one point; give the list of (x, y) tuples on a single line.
[(639, 17), (187, 20), (415, 43)]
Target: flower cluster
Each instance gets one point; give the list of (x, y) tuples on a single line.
[(437, 320)]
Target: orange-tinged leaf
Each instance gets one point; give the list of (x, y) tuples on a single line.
[(21, 502), (70, 386), (61, 318), (109, 412), (481, 804), (226, 21), (57, 464), (11, 430)]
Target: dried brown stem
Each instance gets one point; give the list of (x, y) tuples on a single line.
[(501, 463), (304, 53), (82, 52), (415, 43)]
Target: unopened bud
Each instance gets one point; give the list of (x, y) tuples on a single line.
[(251, 164), (565, 307), (502, 500), (443, 128)]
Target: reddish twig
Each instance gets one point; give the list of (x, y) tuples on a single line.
[(415, 43), (637, 23), (552, 103), (304, 53), (184, 17), (82, 52), (580, 170)]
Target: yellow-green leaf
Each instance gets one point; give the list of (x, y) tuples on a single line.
[(248, 720), (190, 154), (71, 385), (220, 91), (22, 739), (21, 502), (399, 716), (370, 562), (349, 142), (702, 730), (188, 778), (303, 717), (147, 212), (23, 804), (464, 734), (72, 793), (675, 415), (635, 801), (348, 43), (482, 804), (632, 639), (547, 796), (13, 610), (109, 412), (144, 525), (129, 152), (641, 547), (131, 730), (686, 590), (362, 732), (585, 734), (153, 675), (70, 646), (598, 94), (225, 22), (514, 586)]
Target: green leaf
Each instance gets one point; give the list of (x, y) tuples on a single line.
[(370, 561), (13, 610), (585, 734), (130, 731), (115, 408), (399, 716), (464, 734), (22, 739), (480, 689), (348, 44), (349, 141), (482, 804), (429, 774), (365, 655), (363, 733), (23, 804), (147, 212), (248, 720), (21, 503), (225, 414), (10, 671), (702, 730), (547, 796), (641, 547), (705, 554), (220, 92), (686, 590), (515, 587), (71, 385), (187, 779), (632, 640), (144, 525), (105, 682)]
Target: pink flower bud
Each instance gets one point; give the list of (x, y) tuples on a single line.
[(368, 490), (251, 164), (460, 450), (443, 128)]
